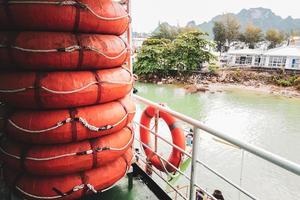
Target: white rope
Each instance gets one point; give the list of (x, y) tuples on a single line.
[(75, 189), (52, 158), (91, 188), (14, 90), (68, 120), (87, 152), (106, 18), (8, 154), (124, 147), (107, 56), (72, 3), (69, 91), (37, 197), (66, 91), (165, 169), (69, 50), (59, 124)]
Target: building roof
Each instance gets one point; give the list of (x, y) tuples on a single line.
[(284, 51), (293, 51), (245, 52)]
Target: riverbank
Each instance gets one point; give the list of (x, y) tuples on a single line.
[(289, 92), (275, 83)]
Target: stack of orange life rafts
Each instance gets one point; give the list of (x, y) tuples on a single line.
[(63, 70)]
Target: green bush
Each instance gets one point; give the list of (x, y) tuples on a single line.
[(283, 83), (297, 81), (213, 68), (287, 81)]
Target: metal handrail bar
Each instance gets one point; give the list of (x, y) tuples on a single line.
[(266, 155), (145, 162), (177, 169), (163, 139), (201, 163), (205, 191), (227, 180)]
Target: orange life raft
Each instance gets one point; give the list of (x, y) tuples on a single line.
[(91, 16), (54, 90), (66, 158), (64, 126), (177, 137), (61, 51), (69, 187)]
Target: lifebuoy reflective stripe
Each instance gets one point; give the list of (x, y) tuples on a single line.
[(177, 138)]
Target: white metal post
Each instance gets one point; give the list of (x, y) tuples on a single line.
[(196, 148)]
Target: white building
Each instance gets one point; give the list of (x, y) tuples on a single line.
[(137, 43), (287, 57)]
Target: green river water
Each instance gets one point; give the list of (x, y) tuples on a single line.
[(268, 121)]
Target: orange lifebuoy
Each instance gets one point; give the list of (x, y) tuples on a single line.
[(178, 139)]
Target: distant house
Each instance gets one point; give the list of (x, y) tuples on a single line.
[(287, 57), (137, 43)]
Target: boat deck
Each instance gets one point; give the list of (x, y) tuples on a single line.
[(139, 191)]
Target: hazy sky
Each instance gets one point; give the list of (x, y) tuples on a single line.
[(147, 13)]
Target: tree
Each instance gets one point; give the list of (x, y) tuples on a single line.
[(186, 52), (189, 50), (219, 31), (232, 28), (275, 37), (251, 36), (226, 31), (151, 59)]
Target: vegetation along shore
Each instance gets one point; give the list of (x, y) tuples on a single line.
[(185, 56)]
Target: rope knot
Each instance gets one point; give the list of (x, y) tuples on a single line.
[(107, 127), (88, 152), (69, 49), (78, 187), (91, 188), (67, 3), (102, 149)]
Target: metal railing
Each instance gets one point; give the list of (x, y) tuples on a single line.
[(198, 127)]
